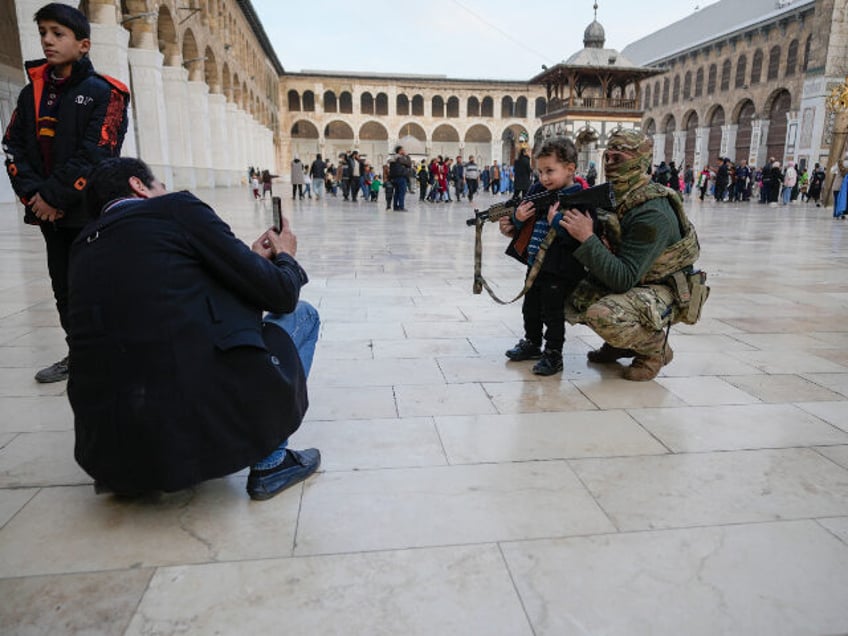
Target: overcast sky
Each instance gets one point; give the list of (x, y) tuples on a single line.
[(464, 39)]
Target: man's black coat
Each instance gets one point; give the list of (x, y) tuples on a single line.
[(171, 380)]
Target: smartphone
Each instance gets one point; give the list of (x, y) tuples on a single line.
[(277, 212)]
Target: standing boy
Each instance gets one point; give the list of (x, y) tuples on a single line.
[(544, 302), (67, 120)]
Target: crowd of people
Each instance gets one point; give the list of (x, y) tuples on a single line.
[(727, 181), (438, 180)]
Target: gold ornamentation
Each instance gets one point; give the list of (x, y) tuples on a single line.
[(837, 101)]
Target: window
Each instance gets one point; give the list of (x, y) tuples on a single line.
[(438, 106), (473, 107), (487, 108), (541, 107), (402, 105), (687, 85), (381, 106), (418, 106), (773, 63), (647, 97), (330, 105), (521, 107), (656, 93), (675, 91), (665, 92), (711, 79), (294, 101), (699, 82), (453, 107), (725, 75), (309, 101), (807, 47), (792, 58), (506, 107), (741, 69), (757, 67), (366, 104), (346, 103)]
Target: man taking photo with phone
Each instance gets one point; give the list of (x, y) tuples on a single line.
[(176, 376)]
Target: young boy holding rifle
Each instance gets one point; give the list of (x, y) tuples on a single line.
[(558, 272)]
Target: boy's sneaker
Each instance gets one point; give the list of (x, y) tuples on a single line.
[(524, 350), (550, 363), (56, 372)]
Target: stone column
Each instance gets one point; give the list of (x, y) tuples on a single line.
[(201, 133), (244, 146), (793, 118), (679, 148), (28, 30), (175, 85), (151, 120), (219, 140), (231, 123), (702, 143), (659, 149), (759, 137), (110, 56), (728, 140), (266, 136), (497, 152)]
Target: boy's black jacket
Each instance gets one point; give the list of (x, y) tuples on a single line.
[(92, 122)]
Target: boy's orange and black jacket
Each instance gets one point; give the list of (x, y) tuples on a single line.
[(90, 127)]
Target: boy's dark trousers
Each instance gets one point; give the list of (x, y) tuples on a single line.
[(544, 306), (59, 240)]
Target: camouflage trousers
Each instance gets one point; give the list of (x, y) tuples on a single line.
[(633, 320)]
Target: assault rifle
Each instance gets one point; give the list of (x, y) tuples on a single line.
[(600, 196)]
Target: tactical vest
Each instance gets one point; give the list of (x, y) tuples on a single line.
[(674, 267)]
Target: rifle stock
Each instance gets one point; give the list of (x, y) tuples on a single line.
[(600, 196)]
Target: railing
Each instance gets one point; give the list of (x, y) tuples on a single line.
[(593, 103)]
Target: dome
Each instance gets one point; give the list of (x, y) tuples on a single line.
[(594, 36)]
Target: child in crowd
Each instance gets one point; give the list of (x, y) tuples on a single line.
[(560, 271), (254, 184), (375, 187)]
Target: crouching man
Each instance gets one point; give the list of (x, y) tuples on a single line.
[(642, 280), (175, 376)]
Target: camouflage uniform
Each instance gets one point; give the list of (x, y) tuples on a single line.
[(629, 297)]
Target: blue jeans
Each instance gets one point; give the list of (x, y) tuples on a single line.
[(302, 325), (786, 195), (399, 201)]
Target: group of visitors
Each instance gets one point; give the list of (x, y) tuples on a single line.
[(771, 184)]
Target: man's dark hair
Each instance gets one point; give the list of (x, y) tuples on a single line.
[(67, 16), (398, 149), (110, 180)]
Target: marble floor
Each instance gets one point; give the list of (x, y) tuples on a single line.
[(459, 493)]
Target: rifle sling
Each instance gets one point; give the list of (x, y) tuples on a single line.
[(480, 282)]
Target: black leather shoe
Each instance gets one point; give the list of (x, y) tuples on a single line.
[(524, 350), (264, 484)]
